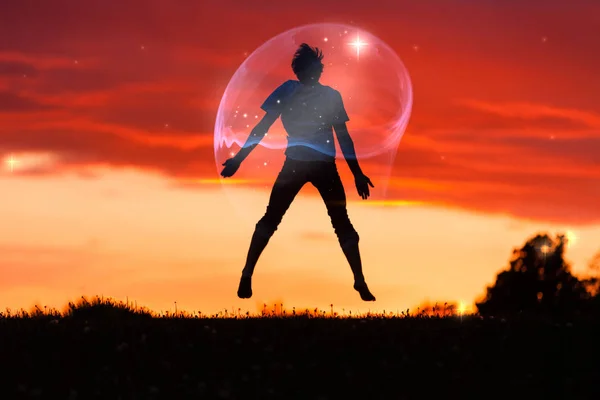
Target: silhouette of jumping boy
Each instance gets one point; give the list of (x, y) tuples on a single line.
[(309, 112)]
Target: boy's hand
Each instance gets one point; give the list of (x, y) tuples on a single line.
[(231, 167), (362, 185)]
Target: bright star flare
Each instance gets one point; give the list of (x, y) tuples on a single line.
[(24, 162), (571, 238), (11, 162), (358, 44)]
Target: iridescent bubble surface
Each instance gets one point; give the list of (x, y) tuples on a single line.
[(375, 88)]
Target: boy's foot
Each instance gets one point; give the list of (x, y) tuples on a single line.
[(363, 290), (245, 288)]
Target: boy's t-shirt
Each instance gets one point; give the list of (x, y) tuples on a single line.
[(308, 113)]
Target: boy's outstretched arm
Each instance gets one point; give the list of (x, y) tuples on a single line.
[(347, 145), (256, 135)]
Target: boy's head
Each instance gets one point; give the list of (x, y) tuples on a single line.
[(307, 64)]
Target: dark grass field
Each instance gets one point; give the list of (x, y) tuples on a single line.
[(122, 355)]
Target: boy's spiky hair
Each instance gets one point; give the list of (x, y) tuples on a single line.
[(307, 61)]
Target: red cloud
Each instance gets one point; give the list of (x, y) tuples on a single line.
[(501, 121), (534, 111)]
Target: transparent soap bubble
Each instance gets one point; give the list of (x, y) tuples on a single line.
[(377, 95)]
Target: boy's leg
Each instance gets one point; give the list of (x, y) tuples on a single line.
[(286, 187), (328, 183)]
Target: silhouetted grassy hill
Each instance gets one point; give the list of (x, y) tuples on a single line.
[(102, 349)]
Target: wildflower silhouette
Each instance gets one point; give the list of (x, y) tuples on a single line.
[(310, 112)]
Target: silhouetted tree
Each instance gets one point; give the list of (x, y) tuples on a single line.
[(592, 282), (538, 280)]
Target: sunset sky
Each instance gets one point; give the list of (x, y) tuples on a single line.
[(107, 112)]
